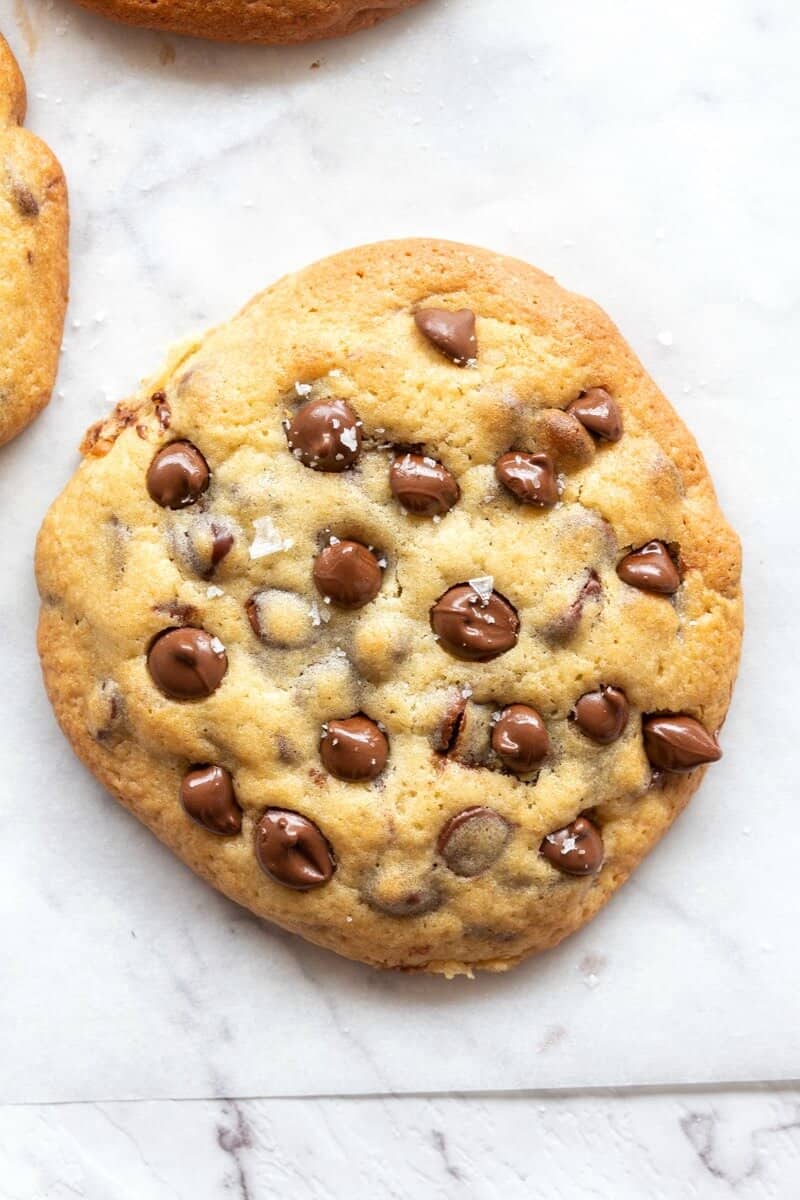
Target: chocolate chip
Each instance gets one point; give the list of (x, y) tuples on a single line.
[(599, 413), (178, 475), (565, 625), (602, 715), (353, 748), (446, 735), (392, 893), (208, 797), (293, 850), (530, 477), (678, 743), (221, 545), (162, 407), (452, 333), (473, 840), (26, 202), (187, 663), (422, 485), (577, 849), (520, 739), (650, 568), (325, 435), (474, 628), (348, 574)]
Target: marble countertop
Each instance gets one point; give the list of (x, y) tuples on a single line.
[(647, 157)]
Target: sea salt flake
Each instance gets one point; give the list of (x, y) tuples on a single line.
[(319, 615), (336, 373), (268, 539), (213, 591), (483, 586), (217, 646), (568, 845), (349, 438), (302, 389)]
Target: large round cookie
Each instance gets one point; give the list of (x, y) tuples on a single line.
[(400, 607), (264, 21), (33, 259)]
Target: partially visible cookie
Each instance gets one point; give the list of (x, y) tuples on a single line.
[(400, 607), (269, 21), (33, 259)]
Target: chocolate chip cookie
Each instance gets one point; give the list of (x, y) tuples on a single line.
[(401, 608), (33, 259), (264, 21)]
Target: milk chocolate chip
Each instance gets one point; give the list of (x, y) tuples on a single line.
[(473, 840), (422, 485), (602, 715), (187, 663), (520, 739), (292, 850), (530, 477), (650, 568), (325, 435), (208, 797), (348, 574), (473, 627), (178, 475), (577, 849), (678, 743), (452, 333), (599, 413), (354, 748)]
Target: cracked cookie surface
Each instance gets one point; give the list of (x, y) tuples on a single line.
[(266, 21), (33, 256), (408, 630)]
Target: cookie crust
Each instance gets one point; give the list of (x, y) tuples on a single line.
[(264, 21), (113, 571), (33, 257)]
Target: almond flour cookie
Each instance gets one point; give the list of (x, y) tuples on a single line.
[(268, 21), (33, 259), (400, 608)]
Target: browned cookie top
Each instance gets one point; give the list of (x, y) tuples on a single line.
[(33, 259)]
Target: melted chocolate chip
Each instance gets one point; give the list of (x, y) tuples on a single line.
[(473, 840), (575, 850), (452, 333), (208, 797), (325, 435), (422, 485), (602, 715), (354, 748), (446, 735), (221, 545), (530, 477), (678, 743), (348, 574), (293, 850), (520, 739), (186, 663), (178, 475), (472, 629), (599, 413), (650, 568), (162, 408)]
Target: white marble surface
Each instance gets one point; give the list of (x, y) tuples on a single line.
[(646, 155)]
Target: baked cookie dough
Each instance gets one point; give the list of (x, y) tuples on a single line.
[(33, 259), (401, 607), (267, 21)]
